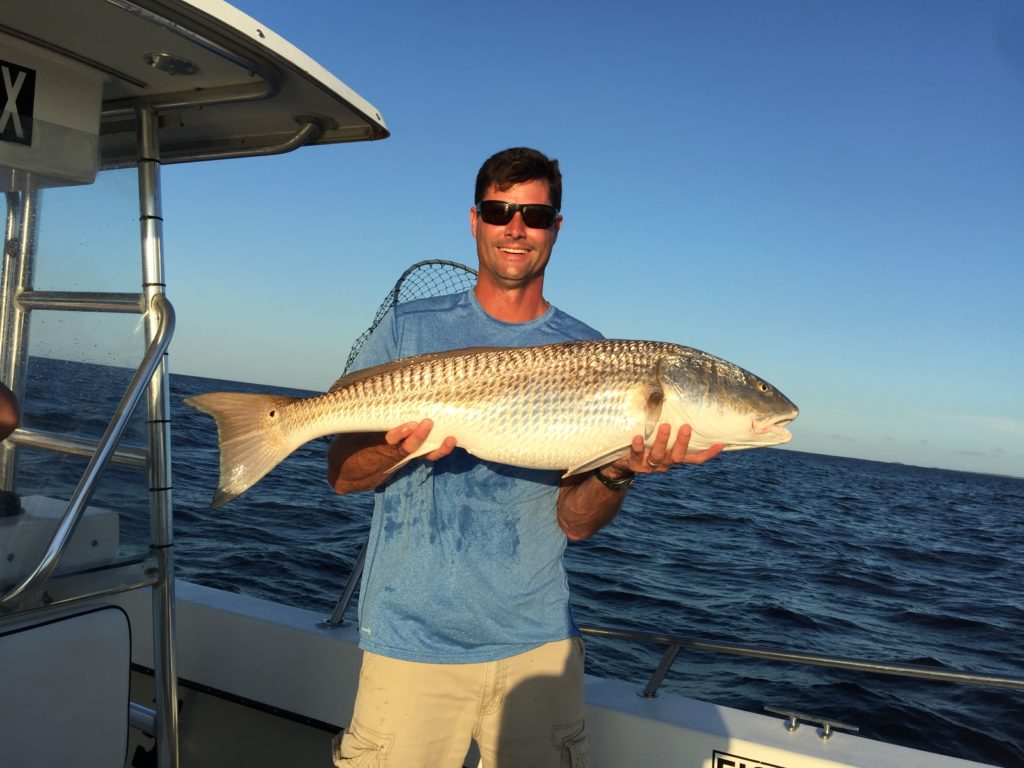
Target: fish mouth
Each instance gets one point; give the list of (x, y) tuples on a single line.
[(774, 425)]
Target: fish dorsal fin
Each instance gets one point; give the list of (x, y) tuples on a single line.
[(405, 362)]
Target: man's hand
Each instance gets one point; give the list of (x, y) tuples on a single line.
[(409, 438), (361, 462), (660, 458), (585, 504)]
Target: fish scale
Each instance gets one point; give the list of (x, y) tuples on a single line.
[(571, 406), (539, 396)]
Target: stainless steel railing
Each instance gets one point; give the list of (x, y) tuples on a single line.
[(34, 580), (675, 644)]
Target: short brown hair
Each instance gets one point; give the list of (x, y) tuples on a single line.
[(519, 165)]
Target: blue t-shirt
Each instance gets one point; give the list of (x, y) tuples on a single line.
[(464, 562)]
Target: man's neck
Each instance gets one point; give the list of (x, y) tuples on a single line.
[(512, 305)]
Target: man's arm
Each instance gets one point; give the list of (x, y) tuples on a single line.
[(362, 461), (586, 505)]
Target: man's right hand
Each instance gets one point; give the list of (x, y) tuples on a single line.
[(409, 438), (362, 461)]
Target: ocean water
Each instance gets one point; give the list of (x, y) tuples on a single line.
[(770, 547)]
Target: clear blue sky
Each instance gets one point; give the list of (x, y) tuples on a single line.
[(828, 193)]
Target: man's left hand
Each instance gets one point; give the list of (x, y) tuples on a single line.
[(661, 458)]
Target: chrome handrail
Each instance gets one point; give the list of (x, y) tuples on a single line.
[(164, 313), (82, 301), (75, 446), (676, 643), (310, 129)]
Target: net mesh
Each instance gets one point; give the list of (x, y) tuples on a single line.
[(434, 277)]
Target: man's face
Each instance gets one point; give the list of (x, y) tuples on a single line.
[(511, 255)]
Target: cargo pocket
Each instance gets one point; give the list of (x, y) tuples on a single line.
[(360, 747), (572, 741)]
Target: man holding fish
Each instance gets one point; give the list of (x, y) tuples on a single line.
[(464, 609)]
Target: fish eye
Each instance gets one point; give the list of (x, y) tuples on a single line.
[(762, 386)]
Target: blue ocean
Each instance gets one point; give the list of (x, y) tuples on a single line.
[(771, 547)]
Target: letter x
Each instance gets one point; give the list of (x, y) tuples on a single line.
[(11, 107)]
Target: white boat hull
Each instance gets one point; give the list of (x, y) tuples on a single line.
[(263, 682)]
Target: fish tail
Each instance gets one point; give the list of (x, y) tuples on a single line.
[(252, 440)]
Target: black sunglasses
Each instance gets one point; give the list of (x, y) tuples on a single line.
[(499, 213)]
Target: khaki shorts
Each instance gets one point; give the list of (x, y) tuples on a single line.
[(523, 711)]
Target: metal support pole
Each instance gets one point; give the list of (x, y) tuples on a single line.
[(161, 518), (20, 237), (651, 689), (338, 616)]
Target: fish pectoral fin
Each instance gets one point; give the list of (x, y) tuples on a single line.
[(427, 447), (605, 457)]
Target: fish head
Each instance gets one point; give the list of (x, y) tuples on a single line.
[(723, 402)]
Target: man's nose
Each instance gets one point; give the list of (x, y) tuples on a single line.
[(516, 226)]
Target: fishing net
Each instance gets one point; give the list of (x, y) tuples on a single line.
[(434, 277)]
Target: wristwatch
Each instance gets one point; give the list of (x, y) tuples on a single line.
[(615, 485)]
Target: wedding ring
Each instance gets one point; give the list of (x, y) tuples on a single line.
[(653, 464)]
